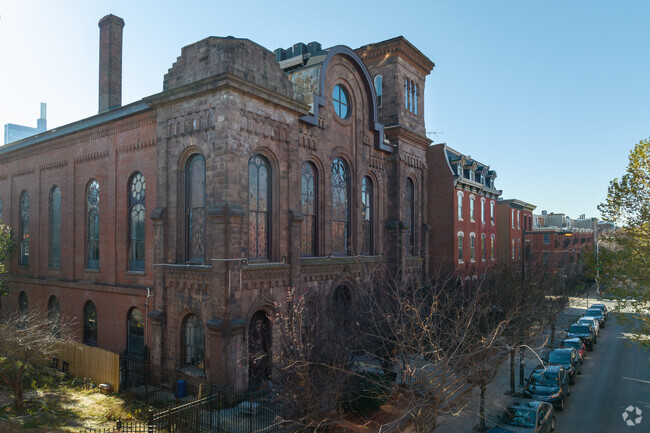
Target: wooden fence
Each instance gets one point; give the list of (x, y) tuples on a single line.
[(97, 364)]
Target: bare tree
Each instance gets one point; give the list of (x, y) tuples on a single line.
[(27, 339)]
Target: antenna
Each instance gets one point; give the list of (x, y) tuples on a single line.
[(436, 133)]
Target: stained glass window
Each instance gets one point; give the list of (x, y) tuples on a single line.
[(340, 208), (309, 206), (90, 324), (136, 222), (410, 216), (55, 227), (53, 315), (135, 333), (92, 234), (341, 102), (195, 209), (24, 228), (259, 206), (366, 215), (193, 341)]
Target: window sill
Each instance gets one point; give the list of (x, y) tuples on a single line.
[(134, 272), (54, 268), (92, 271)]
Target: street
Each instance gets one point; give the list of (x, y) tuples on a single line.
[(614, 377)]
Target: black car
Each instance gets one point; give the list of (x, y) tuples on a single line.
[(597, 314), (602, 308), (550, 384), (583, 332), (568, 358), (526, 416), (578, 345)]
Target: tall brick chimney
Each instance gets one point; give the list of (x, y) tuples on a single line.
[(110, 62)]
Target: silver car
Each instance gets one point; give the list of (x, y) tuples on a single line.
[(592, 320)]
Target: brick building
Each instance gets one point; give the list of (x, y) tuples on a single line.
[(461, 212), (177, 222), (514, 219)]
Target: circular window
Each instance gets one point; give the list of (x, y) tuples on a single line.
[(341, 102)]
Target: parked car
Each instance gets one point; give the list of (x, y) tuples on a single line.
[(591, 321), (584, 333), (596, 313), (550, 384), (567, 357), (526, 416), (602, 308), (577, 344)]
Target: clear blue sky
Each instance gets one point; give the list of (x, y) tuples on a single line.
[(551, 94)]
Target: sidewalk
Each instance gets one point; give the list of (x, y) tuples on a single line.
[(496, 399)]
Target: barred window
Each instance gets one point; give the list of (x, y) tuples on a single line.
[(90, 324), (340, 208), (366, 215), (92, 225), (55, 228), (309, 208), (195, 209), (259, 207), (136, 222)]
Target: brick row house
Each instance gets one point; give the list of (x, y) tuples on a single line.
[(515, 223), (462, 212), (179, 221)]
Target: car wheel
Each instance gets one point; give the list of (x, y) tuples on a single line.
[(553, 424)]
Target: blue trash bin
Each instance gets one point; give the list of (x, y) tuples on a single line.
[(181, 388)]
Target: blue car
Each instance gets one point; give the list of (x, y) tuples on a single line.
[(526, 417), (550, 384)]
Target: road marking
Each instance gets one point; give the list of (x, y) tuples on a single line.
[(638, 380)]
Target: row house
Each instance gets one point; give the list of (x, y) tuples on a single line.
[(178, 222), (462, 212), (514, 224)]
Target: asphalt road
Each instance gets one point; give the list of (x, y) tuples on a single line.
[(615, 376)]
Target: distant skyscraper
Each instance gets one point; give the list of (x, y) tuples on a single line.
[(15, 132)]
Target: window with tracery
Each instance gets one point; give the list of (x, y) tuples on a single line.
[(259, 207), (55, 228), (90, 324), (193, 341), (340, 208), (410, 216), (24, 228), (366, 215), (136, 222), (92, 225), (309, 208), (195, 209)]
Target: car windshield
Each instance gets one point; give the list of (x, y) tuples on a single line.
[(519, 417), (579, 329), (544, 379), (592, 313), (586, 321), (559, 357), (572, 344)]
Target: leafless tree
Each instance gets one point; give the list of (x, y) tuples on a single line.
[(27, 339)]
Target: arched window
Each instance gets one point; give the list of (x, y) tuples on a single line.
[(259, 348), (460, 205), (460, 247), (195, 209), (378, 89), (24, 228), (407, 93), (90, 324), (259, 207), (53, 315), (135, 333), (23, 310), (309, 208), (472, 238), (136, 222), (483, 253), (409, 195), (193, 341), (492, 247), (340, 208), (55, 228), (92, 225), (471, 208), (366, 215)]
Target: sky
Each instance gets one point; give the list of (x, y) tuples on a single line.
[(552, 94)]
